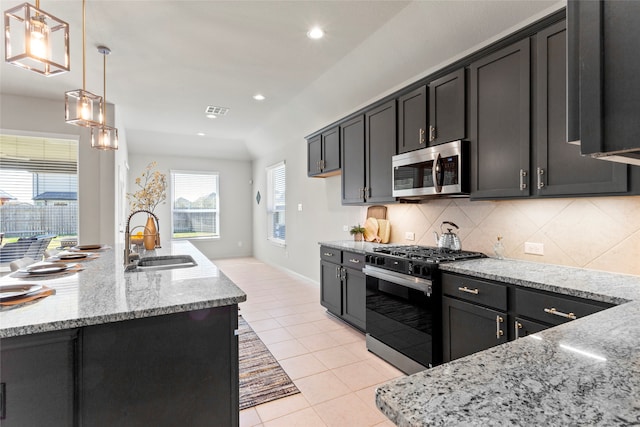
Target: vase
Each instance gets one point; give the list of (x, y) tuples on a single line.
[(357, 237), (150, 234)]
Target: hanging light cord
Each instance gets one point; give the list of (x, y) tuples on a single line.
[(84, 44), (104, 88)]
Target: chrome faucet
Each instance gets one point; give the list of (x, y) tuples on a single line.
[(127, 235)]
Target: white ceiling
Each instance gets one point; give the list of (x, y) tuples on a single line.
[(171, 59)]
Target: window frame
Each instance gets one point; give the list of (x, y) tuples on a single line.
[(270, 203), (172, 192)]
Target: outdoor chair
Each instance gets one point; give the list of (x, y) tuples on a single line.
[(30, 247)]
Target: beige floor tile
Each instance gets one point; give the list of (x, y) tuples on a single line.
[(386, 423), (297, 319), (281, 407), (359, 349), (254, 315), (336, 357), (319, 341), (305, 418), (347, 335), (329, 323), (274, 335), (303, 330), (349, 411), (302, 366), (249, 418), (321, 387), (368, 396), (360, 375), (265, 325), (286, 349)]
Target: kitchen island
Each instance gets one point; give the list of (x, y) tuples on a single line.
[(111, 347), (584, 372)]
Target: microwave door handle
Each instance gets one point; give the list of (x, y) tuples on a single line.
[(437, 183)]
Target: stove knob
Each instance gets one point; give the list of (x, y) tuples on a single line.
[(367, 259)]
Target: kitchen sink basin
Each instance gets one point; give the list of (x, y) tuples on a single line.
[(164, 262)]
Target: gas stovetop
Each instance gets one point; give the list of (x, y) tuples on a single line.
[(427, 254)]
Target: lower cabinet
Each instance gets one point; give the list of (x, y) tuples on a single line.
[(343, 285), (469, 328), (523, 327), (38, 380)]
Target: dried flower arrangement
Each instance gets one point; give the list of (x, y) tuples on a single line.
[(153, 189)]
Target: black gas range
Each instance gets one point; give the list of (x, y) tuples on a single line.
[(403, 304)]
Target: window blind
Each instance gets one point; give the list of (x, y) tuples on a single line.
[(276, 202), (195, 205)]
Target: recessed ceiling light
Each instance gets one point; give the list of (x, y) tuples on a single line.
[(315, 33), (212, 116), (200, 134), (259, 97)]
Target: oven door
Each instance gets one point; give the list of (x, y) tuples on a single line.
[(403, 313)]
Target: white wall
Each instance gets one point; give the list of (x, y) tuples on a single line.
[(96, 192), (235, 201)]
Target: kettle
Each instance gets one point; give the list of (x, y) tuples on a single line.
[(449, 240)]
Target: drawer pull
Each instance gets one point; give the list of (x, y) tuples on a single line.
[(327, 254), (561, 314), (469, 291), (499, 331), (517, 326), (355, 261)]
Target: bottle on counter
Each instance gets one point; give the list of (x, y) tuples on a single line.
[(498, 248)]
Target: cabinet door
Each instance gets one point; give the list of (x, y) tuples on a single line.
[(38, 377), (447, 108), (353, 165), (469, 328), (523, 327), (412, 120), (331, 150), (561, 170), (380, 148), (331, 287), (354, 292), (314, 155), (499, 123)]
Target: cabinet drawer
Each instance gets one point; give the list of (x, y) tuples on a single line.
[(476, 291), (353, 260), (331, 254), (552, 309)]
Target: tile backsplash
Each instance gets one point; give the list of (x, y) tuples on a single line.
[(600, 233)]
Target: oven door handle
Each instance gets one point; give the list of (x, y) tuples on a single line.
[(400, 279)]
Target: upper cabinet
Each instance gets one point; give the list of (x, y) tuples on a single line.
[(604, 91), (560, 169), (412, 120), (447, 107), (323, 154), (499, 123), (353, 174)]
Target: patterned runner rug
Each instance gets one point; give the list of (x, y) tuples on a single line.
[(262, 379)]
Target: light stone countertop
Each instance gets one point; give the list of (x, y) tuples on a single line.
[(584, 372), (104, 293), (353, 246)]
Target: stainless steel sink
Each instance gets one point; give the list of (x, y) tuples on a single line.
[(163, 262)]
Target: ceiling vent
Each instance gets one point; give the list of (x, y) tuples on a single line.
[(217, 111)]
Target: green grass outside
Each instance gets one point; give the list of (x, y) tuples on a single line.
[(191, 235), (55, 242)]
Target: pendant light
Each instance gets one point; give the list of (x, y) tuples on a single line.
[(36, 40), (81, 107), (104, 137)]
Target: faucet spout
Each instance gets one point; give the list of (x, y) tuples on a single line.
[(127, 234)]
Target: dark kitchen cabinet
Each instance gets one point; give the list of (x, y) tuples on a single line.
[(469, 328), (560, 169), (523, 327), (343, 285), (353, 154), (38, 380), (412, 120), (500, 123), (323, 154), (604, 89), (447, 108), (175, 369)]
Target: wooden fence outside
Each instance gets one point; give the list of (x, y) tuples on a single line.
[(29, 220)]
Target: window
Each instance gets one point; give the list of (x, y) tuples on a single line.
[(195, 205), (38, 187), (276, 189)]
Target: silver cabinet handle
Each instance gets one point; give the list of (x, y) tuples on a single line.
[(517, 326), (421, 136), (432, 133), (469, 291), (327, 254), (355, 261), (561, 314), (367, 191), (324, 164), (499, 331), (362, 193), (540, 181), (337, 272), (523, 174)]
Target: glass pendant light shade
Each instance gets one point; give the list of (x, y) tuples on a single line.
[(36, 40), (82, 108), (104, 137)]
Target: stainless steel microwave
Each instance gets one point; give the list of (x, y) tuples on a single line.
[(441, 170)]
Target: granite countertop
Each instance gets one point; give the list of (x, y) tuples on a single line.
[(584, 372), (104, 293), (353, 246)]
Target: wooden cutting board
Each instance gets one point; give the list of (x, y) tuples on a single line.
[(378, 212)]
